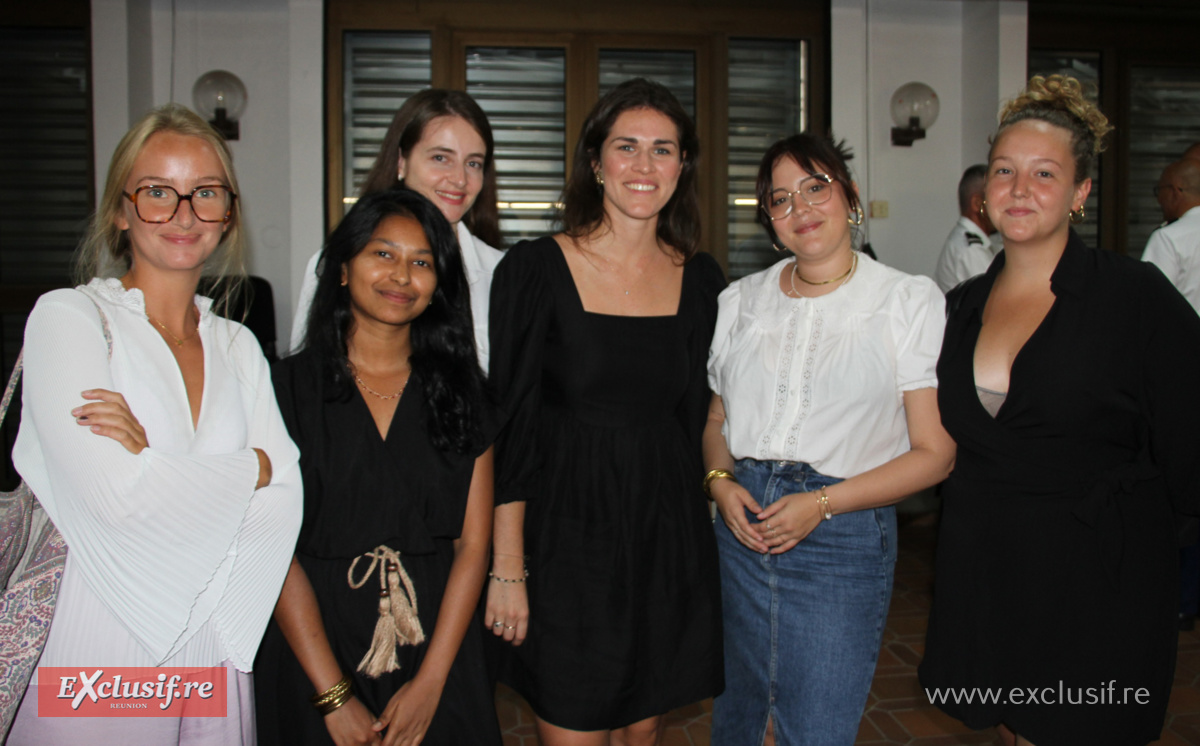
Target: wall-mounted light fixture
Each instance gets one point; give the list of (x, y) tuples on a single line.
[(220, 97), (914, 110)]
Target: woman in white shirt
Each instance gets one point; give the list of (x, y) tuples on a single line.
[(440, 145), (165, 465), (824, 414)]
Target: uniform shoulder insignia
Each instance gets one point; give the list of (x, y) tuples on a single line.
[(973, 240)]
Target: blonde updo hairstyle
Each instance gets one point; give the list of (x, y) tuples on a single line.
[(105, 250), (1059, 100)]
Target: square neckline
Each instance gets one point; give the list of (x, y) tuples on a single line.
[(565, 266)]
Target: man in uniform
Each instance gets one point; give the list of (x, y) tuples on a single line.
[(968, 250)]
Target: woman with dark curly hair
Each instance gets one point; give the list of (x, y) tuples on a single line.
[(1068, 379), (387, 404), (599, 336)]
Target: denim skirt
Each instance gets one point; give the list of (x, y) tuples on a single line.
[(802, 628)]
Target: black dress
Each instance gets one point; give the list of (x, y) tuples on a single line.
[(604, 444), (360, 491), (1057, 562)]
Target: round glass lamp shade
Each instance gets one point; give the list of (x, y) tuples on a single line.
[(219, 89), (914, 101)]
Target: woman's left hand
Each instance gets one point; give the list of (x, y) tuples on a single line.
[(112, 418), (786, 522), (408, 713)]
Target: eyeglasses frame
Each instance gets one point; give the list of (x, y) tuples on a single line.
[(792, 196), (179, 198)]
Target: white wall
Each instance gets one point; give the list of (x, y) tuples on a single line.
[(972, 53), (145, 54)]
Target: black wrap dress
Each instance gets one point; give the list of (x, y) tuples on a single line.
[(603, 442), (1057, 557), (361, 491)]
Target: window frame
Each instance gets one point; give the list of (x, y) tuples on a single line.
[(582, 32)]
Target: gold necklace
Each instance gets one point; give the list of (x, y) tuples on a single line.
[(842, 276), (178, 342), (373, 392)]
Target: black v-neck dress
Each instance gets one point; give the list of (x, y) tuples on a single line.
[(603, 442), (360, 491), (1057, 556)]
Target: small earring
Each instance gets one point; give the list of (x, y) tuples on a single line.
[(345, 282), (858, 213), (599, 178), (982, 208), (1076, 216), (399, 176), (777, 247)]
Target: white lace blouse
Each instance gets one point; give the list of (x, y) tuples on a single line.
[(174, 558), (821, 380)]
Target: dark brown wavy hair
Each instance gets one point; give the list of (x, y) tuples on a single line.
[(407, 129), (815, 155), (583, 203)]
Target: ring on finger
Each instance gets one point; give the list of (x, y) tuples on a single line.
[(498, 625), (508, 627)]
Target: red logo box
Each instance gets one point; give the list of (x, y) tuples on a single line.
[(126, 691)]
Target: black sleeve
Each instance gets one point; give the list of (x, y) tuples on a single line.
[(521, 307), (693, 409)]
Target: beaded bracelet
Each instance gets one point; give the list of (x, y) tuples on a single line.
[(333, 697), (499, 579)]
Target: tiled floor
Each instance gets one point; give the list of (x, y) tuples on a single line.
[(897, 711)]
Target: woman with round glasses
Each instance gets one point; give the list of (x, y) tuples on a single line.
[(824, 414), (151, 436)]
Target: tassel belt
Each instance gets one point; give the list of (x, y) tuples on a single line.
[(398, 622)]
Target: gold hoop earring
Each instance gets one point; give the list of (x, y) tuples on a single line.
[(1076, 216), (983, 208), (858, 213), (780, 249)]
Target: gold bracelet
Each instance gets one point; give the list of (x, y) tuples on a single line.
[(714, 475), (823, 504), (333, 697)]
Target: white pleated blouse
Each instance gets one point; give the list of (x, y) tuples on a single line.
[(821, 380), (174, 558)]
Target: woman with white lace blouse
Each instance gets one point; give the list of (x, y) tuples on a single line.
[(824, 414), (165, 464)]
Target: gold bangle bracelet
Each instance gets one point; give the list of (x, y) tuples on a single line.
[(714, 475), (333, 697), (823, 504)]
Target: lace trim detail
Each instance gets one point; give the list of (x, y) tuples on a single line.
[(782, 376), (792, 443), (111, 290)]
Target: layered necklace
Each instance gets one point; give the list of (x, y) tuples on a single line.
[(843, 277)]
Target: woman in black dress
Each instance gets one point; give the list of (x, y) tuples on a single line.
[(1068, 378), (386, 402), (599, 340)]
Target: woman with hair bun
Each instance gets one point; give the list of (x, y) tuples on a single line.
[(1068, 379)]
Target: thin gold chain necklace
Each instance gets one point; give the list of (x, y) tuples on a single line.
[(178, 342), (375, 393)]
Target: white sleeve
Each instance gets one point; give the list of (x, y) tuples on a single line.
[(267, 538), (308, 289), (147, 532), (1162, 254), (728, 305), (920, 324)]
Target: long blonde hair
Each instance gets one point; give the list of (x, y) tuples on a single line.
[(105, 250)]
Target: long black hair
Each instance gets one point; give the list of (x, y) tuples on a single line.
[(443, 338)]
